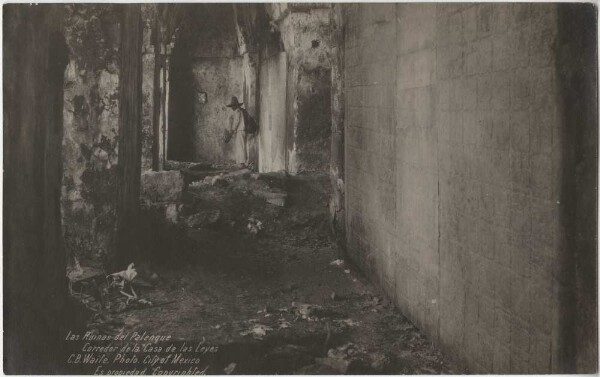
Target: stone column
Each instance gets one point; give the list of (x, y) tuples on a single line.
[(166, 70), (336, 167), (148, 68), (157, 139), (35, 300), (162, 98), (250, 71), (130, 122)]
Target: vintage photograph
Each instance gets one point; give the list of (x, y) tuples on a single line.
[(300, 188)]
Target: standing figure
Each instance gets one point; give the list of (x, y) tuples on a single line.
[(237, 127)]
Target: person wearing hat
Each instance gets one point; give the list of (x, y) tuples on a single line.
[(236, 122)]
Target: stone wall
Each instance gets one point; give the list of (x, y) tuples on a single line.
[(305, 37), (90, 138), (149, 18), (272, 136), (36, 309), (206, 61), (219, 78), (457, 158)]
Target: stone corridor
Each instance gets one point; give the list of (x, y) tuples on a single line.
[(419, 196)]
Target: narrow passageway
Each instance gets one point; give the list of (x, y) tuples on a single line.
[(265, 285), (301, 188)]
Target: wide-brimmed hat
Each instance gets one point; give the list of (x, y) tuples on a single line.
[(234, 102)]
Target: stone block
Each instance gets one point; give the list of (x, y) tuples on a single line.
[(501, 91), (543, 15), (416, 69), (450, 31), (452, 327), (479, 56), (542, 177), (503, 289), (521, 298), (520, 171), (540, 354), (541, 308), (519, 131), (519, 338), (468, 94), (519, 14), (543, 127), (500, 15), (520, 89), (541, 49), (484, 20), (520, 48), (543, 91), (501, 325), (486, 353), (416, 27), (450, 61), (469, 20), (501, 359), (501, 47), (484, 91), (502, 249)]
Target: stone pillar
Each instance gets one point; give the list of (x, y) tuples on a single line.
[(157, 139), (336, 167), (250, 67), (35, 286), (161, 98), (166, 96), (148, 71), (130, 122), (307, 41), (250, 71), (244, 16)]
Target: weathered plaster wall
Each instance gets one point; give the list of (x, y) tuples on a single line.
[(205, 59), (90, 138), (251, 23), (461, 179), (337, 164), (272, 135), (130, 137), (148, 72), (219, 78), (304, 35)]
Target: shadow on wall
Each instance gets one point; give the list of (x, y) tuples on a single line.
[(576, 67), (181, 103), (314, 119), (35, 289)]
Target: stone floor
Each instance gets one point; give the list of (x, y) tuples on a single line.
[(274, 298)]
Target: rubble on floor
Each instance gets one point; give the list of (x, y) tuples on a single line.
[(263, 283), (161, 186)]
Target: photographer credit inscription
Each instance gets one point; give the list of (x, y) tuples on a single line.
[(138, 353)]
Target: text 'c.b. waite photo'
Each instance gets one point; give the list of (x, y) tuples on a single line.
[(300, 188)]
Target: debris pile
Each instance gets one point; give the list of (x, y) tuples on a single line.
[(108, 294), (254, 226)]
